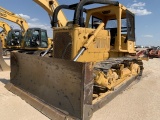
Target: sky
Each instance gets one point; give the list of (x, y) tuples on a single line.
[(147, 17)]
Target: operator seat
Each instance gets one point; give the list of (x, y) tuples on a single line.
[(113, 32)]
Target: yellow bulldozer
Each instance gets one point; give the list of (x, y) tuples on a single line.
[(93, 61)]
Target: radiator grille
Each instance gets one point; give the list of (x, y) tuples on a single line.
[(63, 45)]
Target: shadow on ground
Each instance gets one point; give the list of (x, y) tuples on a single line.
[(4, 81)]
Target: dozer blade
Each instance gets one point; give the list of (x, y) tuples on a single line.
[(3, 64), (58, 88)]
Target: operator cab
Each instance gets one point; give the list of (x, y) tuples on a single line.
[(14, 37), (109, 16), (36, 37)]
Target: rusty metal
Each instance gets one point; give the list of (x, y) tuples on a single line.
[(63, 45), (58, 88), (3, 64), (49, 111), (66, 85)]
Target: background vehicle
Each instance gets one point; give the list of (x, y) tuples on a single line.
[(9, 36), (15, 36), (148, 52), (35, 38), (3, 65), (6, 28), (3, 34), (154, 52), (49, 6), (89, 67), (27, 38)]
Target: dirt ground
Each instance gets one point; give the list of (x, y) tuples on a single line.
[(139, 102)]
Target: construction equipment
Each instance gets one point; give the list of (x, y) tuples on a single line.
[(2, 37), (31, 39), (3, 34), (3, 64), (8, 36), (93, 61), (146, 53), (142, 53), (154, 52), (49, 6), (34, 39), (6, 28), (14, 38)]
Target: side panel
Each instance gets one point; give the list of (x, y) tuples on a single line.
[(69, 41), (66, 85)]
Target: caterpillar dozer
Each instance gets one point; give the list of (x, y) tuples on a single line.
[(92, 62)]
